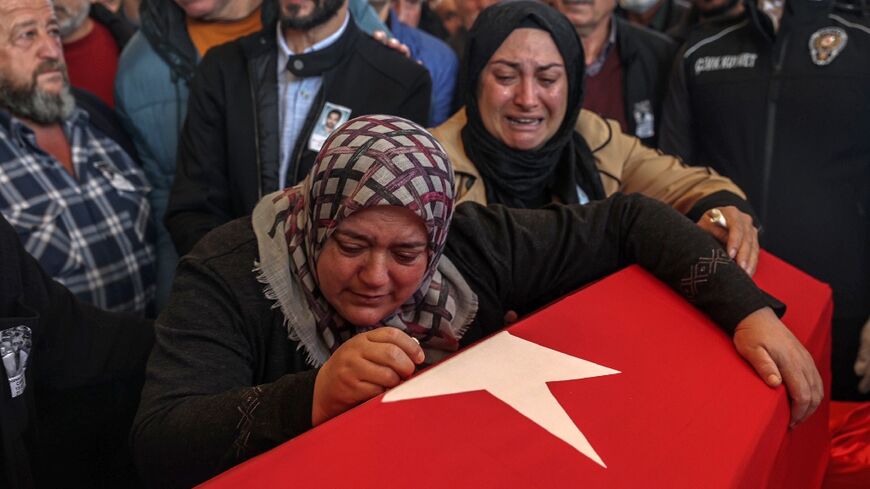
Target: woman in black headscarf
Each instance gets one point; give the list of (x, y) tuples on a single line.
[(553, 167), (522, 139)]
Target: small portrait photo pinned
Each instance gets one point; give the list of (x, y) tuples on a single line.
[(15, 346), (644, 120), (332, 116), (826, 44)]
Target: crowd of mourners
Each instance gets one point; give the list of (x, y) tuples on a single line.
[(223, 223)]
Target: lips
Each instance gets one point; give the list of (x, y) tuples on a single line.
[(368, 299), (524, 123)]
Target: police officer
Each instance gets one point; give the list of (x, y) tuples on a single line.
[(776, 98)]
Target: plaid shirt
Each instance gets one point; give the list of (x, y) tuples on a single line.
[(90, 232)]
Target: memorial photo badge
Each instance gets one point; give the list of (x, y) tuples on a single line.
[(332, 116), (15, 345), (826, 44), (644, 120)]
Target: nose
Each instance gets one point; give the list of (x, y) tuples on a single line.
[(374, 273), (526, 95), (49, 47)]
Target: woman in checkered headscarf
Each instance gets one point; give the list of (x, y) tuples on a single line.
[(364, 235), (355, 264)]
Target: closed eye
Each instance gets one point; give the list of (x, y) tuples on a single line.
[(350, 249), (409, 256)]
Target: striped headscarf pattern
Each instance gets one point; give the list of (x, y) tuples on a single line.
[(372, 161)]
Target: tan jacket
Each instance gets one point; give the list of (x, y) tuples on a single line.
[(625, 165)]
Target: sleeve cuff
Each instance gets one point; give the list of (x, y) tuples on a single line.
[(722, 198)]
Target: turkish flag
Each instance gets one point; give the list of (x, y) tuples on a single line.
[(675, 406)]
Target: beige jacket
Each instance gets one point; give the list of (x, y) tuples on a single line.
[(625, 165)]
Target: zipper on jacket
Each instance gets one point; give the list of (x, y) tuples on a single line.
[(770, 130), (257, 156), (305, 134)]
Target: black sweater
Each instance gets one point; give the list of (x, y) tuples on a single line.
[(225, 383), (72, 345)]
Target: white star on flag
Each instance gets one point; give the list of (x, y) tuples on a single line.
[(516, 371)]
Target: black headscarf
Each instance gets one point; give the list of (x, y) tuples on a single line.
[(529, 178)]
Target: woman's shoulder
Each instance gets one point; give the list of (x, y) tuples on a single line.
[(231, 238), (469, 183), (595, 129), (449, 133), (220, 272)]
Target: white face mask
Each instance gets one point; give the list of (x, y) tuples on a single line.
[(637, 6)]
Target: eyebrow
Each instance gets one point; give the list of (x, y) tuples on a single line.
[(52, 22), (352, 235), (537, 68), (23, 25)]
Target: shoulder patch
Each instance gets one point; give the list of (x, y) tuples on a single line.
[(826, 44)]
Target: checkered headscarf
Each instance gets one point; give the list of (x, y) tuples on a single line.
[(371, 161)]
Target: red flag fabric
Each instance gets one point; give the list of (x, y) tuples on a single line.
[(684, 411), (849, 467)]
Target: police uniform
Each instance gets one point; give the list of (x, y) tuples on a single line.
[(785, 113)]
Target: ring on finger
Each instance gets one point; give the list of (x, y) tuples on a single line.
[(717, 218)]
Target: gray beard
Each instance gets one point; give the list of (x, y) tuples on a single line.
[(31, 103), (68, 23)]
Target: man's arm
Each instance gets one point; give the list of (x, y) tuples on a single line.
[(445, 79), (862, 362)]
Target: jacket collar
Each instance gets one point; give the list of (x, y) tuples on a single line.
[(794, 11), (164, 26), (315, 63)]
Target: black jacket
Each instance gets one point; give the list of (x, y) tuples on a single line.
[(228, 155), (71, 345), (793, 134), (646, 58)]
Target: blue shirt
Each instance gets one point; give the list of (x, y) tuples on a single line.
[(438, 58), (89, 232), (295, 97)]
